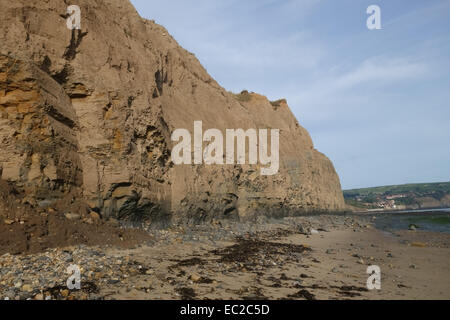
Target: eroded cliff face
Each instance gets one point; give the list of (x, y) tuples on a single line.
[(86, 116)]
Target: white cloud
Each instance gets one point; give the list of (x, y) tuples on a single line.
[(370, 75), (381, 72), (240, 51)]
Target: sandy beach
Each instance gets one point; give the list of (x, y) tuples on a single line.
[(335, 268), (322, 257)]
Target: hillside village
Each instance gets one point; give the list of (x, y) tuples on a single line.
[(415, 196)]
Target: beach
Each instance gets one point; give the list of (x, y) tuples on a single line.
[(302, 258)]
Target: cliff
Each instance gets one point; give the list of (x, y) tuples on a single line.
[(86, 118)]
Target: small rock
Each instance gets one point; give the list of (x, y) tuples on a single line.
[(68, 257), (10, 294), (195, 277), (65, 293), (113, 281), (94, 216), (419, 244), (39, 296), (303, 230), (72, 216), (8, 222), (26, 288)]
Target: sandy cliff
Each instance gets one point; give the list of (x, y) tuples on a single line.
[(86, 118)]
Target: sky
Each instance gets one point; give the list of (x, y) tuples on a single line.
[(376, 102)]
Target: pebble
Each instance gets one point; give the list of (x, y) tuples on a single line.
[(94, 215), (42, 272), (72, 216), (27, 288), (195, 277), (419, 244), (39, 296), (113, 281)]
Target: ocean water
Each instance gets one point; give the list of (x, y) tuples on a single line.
[(437, 220)]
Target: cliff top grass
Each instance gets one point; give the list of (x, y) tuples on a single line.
[(244, 96), (278, 102)]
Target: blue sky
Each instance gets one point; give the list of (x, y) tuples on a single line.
[(376, 102)]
